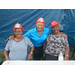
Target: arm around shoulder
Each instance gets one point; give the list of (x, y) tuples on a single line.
[(27, 34), (64, 35)]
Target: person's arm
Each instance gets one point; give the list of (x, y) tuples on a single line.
[(64, 35), (66, 53), (6, 55), (30, 54), (11, 37), (66, 44), (27, 34), (6, 50), (32, 48)]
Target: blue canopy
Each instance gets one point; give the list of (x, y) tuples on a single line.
[(28, 17)]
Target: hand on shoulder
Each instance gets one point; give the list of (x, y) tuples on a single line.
[(11, 37), (64, 35)]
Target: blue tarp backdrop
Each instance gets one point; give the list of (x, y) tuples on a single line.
[(28, 17)]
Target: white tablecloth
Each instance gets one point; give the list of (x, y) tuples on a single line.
[(38, 63)]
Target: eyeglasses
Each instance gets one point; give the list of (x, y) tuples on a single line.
[(18, 31)]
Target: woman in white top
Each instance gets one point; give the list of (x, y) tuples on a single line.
[(17, 47)]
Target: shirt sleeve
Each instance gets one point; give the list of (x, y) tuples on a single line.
[(66, 43), (29, 42), (7, 46)]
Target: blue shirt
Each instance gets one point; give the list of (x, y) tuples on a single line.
[(18, 49), (36, 38)]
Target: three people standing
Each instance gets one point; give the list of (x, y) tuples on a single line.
[(37, 36)]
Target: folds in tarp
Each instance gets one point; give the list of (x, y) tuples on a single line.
[(69, 26), (28, 17)]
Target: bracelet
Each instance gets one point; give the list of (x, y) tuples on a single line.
[(31, 52), (67, 55)]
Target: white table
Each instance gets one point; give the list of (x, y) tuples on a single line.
[(39, 62)]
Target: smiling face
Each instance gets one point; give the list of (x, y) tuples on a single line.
[(40, 27), (56, 29), (18, 33)]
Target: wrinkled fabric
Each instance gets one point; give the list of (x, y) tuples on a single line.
[(28, 17)]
